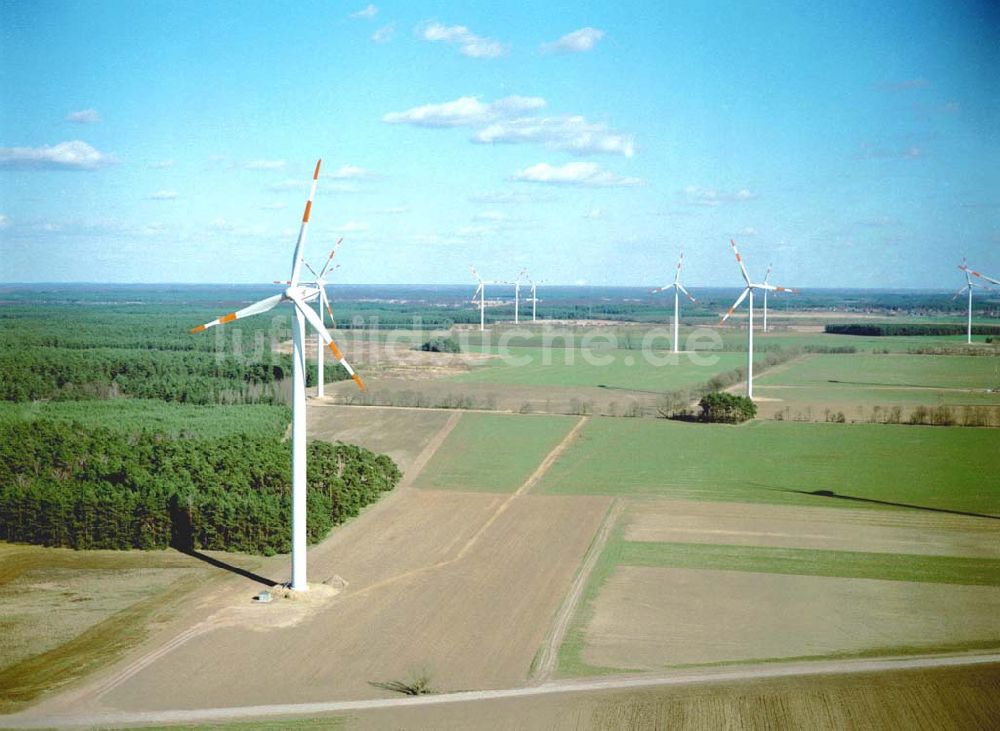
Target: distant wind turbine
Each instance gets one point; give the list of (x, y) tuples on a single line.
[(534, 291), (748, 292), (481, 291), (678, 288), (321, 303), (299, 295), (969, 284)]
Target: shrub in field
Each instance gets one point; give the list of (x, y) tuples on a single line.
[(441, 345), (726, 408)]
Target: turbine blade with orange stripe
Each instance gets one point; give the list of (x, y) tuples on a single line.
[(317, 324), (677, 276), (737, 303), (681, 288), (974, 273), (255, 309), (775, 288), (326, 301), (329, 259), (739, 260), (300, 243)]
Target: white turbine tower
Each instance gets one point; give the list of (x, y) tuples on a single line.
[(969, 284), (678, 288), (517, 295), (322, 302), (299, 296), (534, 293), (481, 291), (748, 292)]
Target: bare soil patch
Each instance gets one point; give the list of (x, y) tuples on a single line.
[(400, 433), (748, 524), (649, 618), (472, 623)]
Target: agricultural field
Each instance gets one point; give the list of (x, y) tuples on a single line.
[(856, 384), (784, 463), (493, 452)]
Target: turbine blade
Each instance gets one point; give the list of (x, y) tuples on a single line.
[(677, 276), (737, 303), (333, 252), (475, 274), (320, 329), (768, 274), (681, 288), (326, 301), (983, 276), (311, 270), (961, 291), (775, 288), (303, 229), (739, 260), (255, 309)]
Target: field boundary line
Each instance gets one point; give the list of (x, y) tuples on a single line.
[(549, 657), (429, 450), (532, 480), (26, 719)]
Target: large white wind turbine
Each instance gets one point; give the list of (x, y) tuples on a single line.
[(299, 295), (969, 284), (678, 288), (748, 292), (517, 295)]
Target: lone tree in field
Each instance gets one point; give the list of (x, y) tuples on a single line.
[(726, 408)]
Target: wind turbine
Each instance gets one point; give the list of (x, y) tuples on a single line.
[(517, 295), (748, 291), (321, 302), (299, 296), (481, 291), (534, 288), (969, 284), (677, 287)]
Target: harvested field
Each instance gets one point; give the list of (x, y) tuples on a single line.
[(832, 465), (475, 621), (911, 532), (493, 452), (400, 433), (958, 698), (648, 618)]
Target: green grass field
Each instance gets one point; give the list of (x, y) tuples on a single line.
[(618, 369), (135, 415), (776, 462), (493, 452), (897, 371)]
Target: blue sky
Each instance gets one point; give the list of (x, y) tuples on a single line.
[(848, 143)]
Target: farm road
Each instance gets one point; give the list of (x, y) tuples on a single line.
[(676, 678)]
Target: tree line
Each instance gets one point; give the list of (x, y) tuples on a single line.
[(908, 329), (63, 484)]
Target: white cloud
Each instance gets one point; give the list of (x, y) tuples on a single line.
[(574, 173), (747, 231), (871, 152), (369, 12), (221, 225), (506, 197), (712, 197), (469, 44), (264, 164), (384, 34), (573, 134), (85, 116), (74, 155), (352, 227), (163, 195), (578, 41), (593, 213), (4, 221), (466, 111), (161, 165), (348, 172)]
